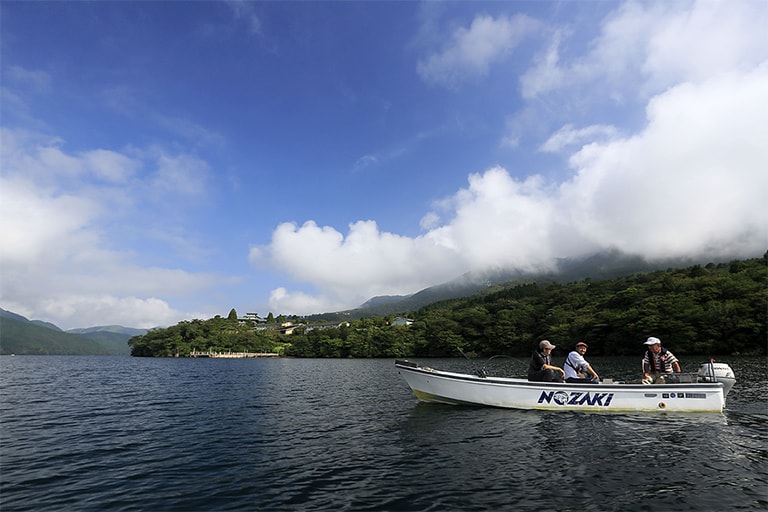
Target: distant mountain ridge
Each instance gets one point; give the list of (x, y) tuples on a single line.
[(383, 300), (604, 265), (117, 329), (21, 336)]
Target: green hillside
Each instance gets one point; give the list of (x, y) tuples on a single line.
[(114, 343), (22, 337), (112, 337)]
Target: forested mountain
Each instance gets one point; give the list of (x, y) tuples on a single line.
[(716, 309), (605, 265), (18, 335), (112, 337), (25, 337)]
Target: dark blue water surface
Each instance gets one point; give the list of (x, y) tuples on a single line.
[(121, 433)]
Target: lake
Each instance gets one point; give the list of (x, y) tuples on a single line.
[(123, 434)]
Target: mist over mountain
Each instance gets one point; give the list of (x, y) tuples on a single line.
[(604, 265), (382, 300)]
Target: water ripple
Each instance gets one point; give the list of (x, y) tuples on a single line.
[(126, 434)]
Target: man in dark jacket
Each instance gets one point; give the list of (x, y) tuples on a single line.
[(541, 368)]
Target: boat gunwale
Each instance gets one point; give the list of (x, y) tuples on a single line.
[(514, 381)]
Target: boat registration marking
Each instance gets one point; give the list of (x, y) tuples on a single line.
[(684, 395)]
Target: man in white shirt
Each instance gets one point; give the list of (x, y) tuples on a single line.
[(577, 369)]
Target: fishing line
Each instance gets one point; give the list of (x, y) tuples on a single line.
[(482, 372)]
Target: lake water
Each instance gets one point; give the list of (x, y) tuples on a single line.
[(121, 433)]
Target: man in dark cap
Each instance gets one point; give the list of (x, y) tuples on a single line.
[(577, 369)]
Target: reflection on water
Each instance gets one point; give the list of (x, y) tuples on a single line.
[(115, 433)]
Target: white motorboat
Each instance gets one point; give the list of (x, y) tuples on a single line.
[(704, 391)]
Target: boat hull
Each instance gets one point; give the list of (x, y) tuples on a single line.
[(430, 385)]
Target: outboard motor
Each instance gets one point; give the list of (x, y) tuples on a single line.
[(717, 372)]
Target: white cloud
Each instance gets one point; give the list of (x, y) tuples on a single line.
[(501, 222), (644, 48), (339, 261), (692, 183), (62, 220), (92, 310), (281, 299), (110, 166), (429, 221), (41, 159), (34, 221), (470, 51), (354, 267), (691, 45), (546, 74), (568, 136)]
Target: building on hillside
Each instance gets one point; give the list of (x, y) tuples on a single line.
[(325, 325), (286, 328), (251, 317)]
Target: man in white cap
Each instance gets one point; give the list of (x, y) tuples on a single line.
[(658, 362), (541, 368)]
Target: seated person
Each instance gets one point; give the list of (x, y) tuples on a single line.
[(658, 363), (541, 368), (577, 369)]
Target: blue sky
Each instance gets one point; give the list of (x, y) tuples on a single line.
[(164, 161)]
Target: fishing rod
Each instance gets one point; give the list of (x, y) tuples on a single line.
[(481, 372)]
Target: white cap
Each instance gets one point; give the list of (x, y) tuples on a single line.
[(652, 341)]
